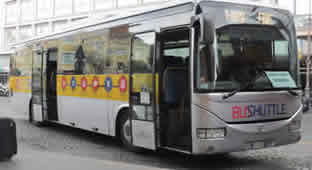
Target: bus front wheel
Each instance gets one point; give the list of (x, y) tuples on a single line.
[(31, 111), (125, 132)]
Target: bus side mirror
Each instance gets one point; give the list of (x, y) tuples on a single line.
[(207, 28)]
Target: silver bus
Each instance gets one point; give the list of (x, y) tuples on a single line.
[(201, 77)]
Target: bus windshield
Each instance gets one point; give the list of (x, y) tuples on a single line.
[(251, 44)]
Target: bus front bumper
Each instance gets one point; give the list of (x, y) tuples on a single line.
[(241, 137)]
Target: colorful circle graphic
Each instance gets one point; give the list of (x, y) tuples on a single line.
[(64, 83), (108, 84), (123, 84), (73, 83), (84, 83), (95, 83)]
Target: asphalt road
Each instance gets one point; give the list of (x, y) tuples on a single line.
[(73, 142)]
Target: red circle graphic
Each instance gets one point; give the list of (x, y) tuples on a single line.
[(64, 83), (123, 84), (84, 83), (95, 83)]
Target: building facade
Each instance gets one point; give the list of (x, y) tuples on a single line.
[(23, 19)]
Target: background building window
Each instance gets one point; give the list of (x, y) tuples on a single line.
[(10, 35), (123, 3), (81, 6), (11, 12), (302, 7), (25, 32), (63, 7), (44, 8), (27, 10), (42, 29), (101, 4), (58, 26)]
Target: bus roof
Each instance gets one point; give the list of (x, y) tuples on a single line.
[(117, 14)]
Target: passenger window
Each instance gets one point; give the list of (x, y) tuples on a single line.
[(143, 52), (101, 52), (177, 52), (67, 50)]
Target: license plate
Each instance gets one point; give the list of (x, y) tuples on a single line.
[(257, 145)]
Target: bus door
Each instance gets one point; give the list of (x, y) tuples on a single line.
[(142, 90), (49, 84), (37, 103)]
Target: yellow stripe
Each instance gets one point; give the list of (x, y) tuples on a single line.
[(141, 81), (20, 84), (90, 92), (115, 93)]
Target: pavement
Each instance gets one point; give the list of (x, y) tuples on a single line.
[(32, 159), (58, 147)]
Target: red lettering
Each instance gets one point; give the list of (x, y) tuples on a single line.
[(245, 113), (236, 112)]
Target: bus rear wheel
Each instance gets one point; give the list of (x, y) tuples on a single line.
[(124, 130)]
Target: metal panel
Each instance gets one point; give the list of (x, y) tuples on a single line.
[(268, 105), (143, 134), (88, 113), (37, 113)]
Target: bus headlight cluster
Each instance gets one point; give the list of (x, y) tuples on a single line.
[(211, 133), (294, 125)]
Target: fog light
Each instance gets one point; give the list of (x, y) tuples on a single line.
[(294, 125), (211, 133), (201, 133)]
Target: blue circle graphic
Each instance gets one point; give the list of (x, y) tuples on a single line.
[(73, 83), (108, 84)]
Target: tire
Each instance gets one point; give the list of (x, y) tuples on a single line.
[(306, 106), (124, 131), (30, 112)]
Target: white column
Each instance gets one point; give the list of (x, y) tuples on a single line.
[(19, 20), (73, 7), (116, 5), (2, 22), (53, 8)]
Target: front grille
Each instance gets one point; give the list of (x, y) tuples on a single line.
[(258, 121)]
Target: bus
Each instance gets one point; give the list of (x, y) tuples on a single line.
[(202, 77)]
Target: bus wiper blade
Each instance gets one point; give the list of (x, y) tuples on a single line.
[(226, 96), (260, 72), (292, 92)]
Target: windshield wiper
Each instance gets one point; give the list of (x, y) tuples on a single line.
[(226, 96), (292, 92), (260, 72), (249, 83)]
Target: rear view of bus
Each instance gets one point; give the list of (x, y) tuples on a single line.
[(246, 86)]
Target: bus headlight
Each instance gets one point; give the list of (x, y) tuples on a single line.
[(211, 133), (294, 125)]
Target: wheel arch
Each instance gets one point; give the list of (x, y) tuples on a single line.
[(119, 112), (29, 104)]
